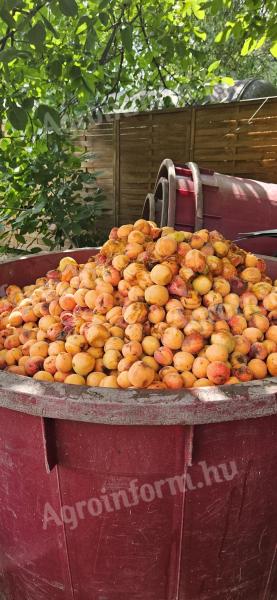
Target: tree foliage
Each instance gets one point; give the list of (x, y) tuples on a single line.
[(63, 62)]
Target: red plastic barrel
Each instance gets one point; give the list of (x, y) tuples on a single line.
[(194, 198), (130, 495)]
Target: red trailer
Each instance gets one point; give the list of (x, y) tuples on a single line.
[(190, 198), (130, 495)]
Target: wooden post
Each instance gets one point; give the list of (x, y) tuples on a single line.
[(192, 133), (116, 168)]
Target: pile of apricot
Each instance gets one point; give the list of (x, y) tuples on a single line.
[(155, 308)]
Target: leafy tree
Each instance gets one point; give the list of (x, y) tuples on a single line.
[(63, 62)]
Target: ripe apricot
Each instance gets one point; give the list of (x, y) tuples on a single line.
[(156, 313), (64, 362), (82, 363), (43, 376), (75, 379), (216, 352), (140, 375), (39, 349), (172, 338), (156, 294), (33, 365), (165, 246), (173, 381), (193, 343), (183, 361), (258, 368), (164, 356), (272, 364), (161, 274), (202, 284), (271, 333), (218, 372), (200, 366), (188, 379)]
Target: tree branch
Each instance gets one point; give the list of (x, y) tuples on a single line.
[(155, 61)]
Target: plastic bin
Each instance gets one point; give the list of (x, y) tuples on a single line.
[(116, 462)]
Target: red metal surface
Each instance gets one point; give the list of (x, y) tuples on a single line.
[(63, 446), (230, 204)]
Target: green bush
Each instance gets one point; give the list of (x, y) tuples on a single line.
[(43, 196)]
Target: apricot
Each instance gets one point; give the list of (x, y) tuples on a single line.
[(218, 372), (242, 373), (150, 344), (136, 312), (172, 338), (140, 375), (271, 364), (132, 349), (17, 370), (237, 359), (39, 349), (161, 274), (238, 324), (173, 381), (260, 322), (271, 333), (15, 318), (241, 344), (164, 356), (97, 335), (200, 314), (216, 352), (33, 365), (183, 361), (156, 313), (270, 346), (12, 356), (193, 343), (232, 380), (56, 347), (221, 286), (165, 246), (203, 382), (196, 261), (82, 363), (261, 289), (200, 366), (251, 275), (212, 298), (225, 338), (59, 377), (64, 362), (134, 332), (49, 364), (258, 350), (202, 284), (188, 379), (144, 226), (156, 294), (270, 301), (123, 380), (43, 376), (12, 341), (221, 248), (258, 368), (94, 378), (75, 379), (253, 334)]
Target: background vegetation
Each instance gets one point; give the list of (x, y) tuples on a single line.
[(64, 62)]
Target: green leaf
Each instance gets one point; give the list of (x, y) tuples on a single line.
[(75, 72), (228, 80), (68, 7), (8, 55), (7, 17), (37, 35), (246, 47), (219, 37), (28, 103), (214, 66), (273, 50), (49, 117), (20, 238), (50, 27), (18, 117), (104, 18), (126, 37), (55, 68)]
